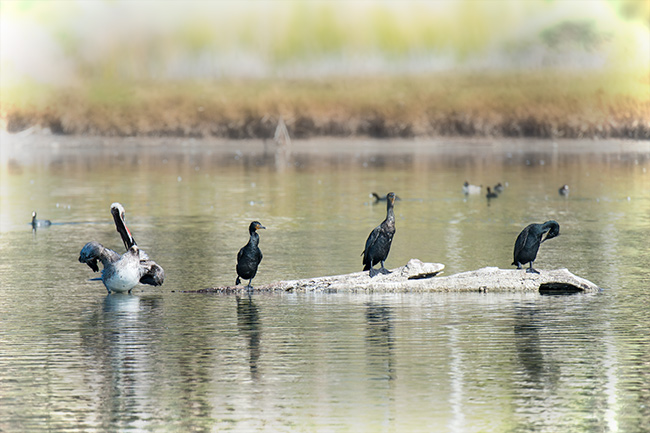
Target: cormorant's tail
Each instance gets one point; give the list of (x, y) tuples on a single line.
[(237, 281)]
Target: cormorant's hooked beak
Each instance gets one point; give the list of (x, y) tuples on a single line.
[(259, 226)]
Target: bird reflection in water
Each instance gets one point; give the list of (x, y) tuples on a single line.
[(541, 373), (380, 341), (248, 323), (119, 339)]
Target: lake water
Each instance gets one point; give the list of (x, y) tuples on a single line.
[(76, 359)]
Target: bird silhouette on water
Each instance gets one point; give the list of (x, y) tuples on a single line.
[(122, 273), (564, 190), (469, 189), (36, 223), (529, 240), (249, 256), (379, 198), (379, 241)]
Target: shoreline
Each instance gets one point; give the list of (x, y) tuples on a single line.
[(34, 147), (542, 104), (375, 126)]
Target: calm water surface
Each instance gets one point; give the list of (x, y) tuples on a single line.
[(74, 358)]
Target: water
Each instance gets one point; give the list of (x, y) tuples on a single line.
[(73, 358)]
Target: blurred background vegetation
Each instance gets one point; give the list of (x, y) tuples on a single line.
[(382, 68)]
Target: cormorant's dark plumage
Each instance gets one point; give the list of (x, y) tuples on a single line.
[(379, 241), (491, 194), (250, 256), (529, 240)]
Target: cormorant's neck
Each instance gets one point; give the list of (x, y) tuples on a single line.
[(390, 214), (255, 238)]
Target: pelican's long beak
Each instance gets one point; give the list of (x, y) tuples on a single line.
[(122, 229)]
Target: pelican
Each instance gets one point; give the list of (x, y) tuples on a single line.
[(122, 273)]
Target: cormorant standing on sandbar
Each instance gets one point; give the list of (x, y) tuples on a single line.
[(378, 243), (529, 240), (250, 256)]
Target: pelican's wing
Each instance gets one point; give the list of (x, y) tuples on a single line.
[(92, 252), (154, 275)]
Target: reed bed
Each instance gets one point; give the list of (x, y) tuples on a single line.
[(540, 104)]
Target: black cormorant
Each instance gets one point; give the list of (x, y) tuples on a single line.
[(122, 273), (39, 223), (250, 256), (529, 240), (378, 243), (564, 190)]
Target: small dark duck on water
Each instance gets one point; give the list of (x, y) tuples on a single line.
[(490, 194), (39, 223), (529, 240), (564, 190)]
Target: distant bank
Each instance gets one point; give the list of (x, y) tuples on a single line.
[(544, 105)]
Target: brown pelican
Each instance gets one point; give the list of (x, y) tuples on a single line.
[(39, 223), (122, 273), (379, 241), (249, 256)]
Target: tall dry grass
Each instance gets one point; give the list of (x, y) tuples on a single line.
[(508, 104)]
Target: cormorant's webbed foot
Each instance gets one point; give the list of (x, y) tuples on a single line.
[(373, 272), (532, 271), (384, 271)]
